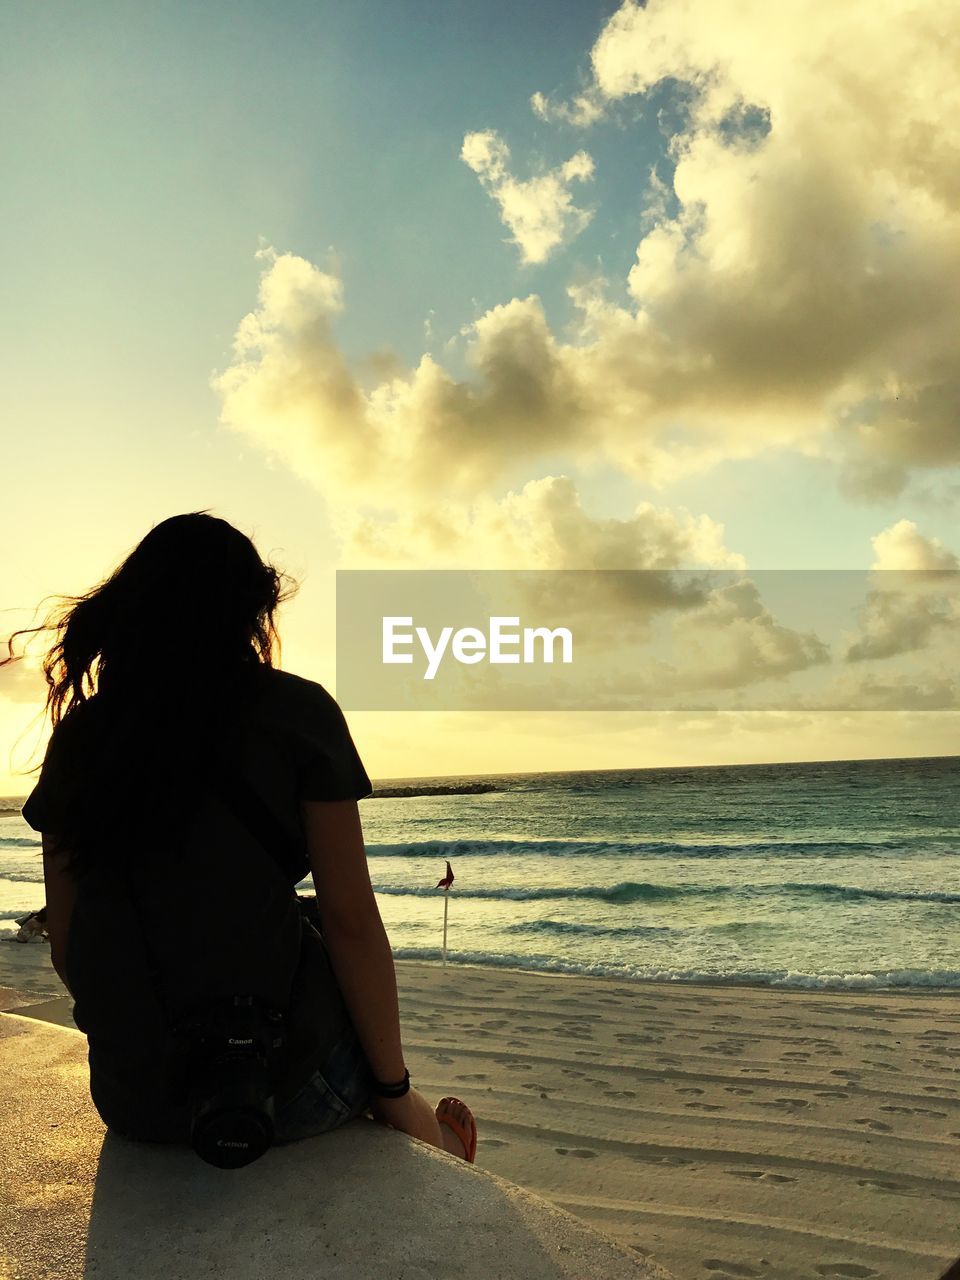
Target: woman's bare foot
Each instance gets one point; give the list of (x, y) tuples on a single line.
[(456, 1111)]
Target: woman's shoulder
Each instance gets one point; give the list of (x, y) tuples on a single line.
[(295, 699), (303, 714)]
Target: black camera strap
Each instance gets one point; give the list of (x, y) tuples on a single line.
[(259, 819), (318, 1017)]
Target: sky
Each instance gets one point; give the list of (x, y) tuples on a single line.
[(570, 285)]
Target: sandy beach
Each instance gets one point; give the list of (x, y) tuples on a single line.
[(726, 1131)]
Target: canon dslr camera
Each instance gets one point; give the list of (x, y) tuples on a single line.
[(234, 1047)]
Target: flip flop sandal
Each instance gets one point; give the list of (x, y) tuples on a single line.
[(467, 1136)]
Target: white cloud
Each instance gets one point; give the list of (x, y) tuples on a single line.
[(538, 211), (410, 467), (583, 110), (903, 546), (894, 622), (290, 388), (934, 693), (734, 641), (805, 290), (541, 526), (795, 285), (914, 600)]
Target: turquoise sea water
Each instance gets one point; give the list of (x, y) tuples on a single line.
[(841, 874)]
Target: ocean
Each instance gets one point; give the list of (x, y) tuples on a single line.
[(828, 875)]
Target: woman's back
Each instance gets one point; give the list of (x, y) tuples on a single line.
[(209, 914)]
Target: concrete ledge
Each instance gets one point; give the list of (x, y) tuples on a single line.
[(358, 1203), (58, 1010)]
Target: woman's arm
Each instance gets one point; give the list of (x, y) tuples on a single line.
[(61, 894), (353, 931), (361, 957)]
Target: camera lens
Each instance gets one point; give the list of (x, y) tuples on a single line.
[(231, 1099), (230, 1139)]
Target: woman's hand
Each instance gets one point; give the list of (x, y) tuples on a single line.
[(412, 1114)]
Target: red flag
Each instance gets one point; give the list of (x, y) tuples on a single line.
[(447, 880)]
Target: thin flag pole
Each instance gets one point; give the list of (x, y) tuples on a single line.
[(445, 884)]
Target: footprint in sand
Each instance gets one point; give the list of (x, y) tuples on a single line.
[(852, 1269), (493, 1142), (495, 1024), (876, 1126), (568, 1071), (479, 1076), (703, 1106), (741, 1093), (583, 1152), (439, 1057), (831, 1093), (759, 1175), (697, 1092), (875, 1184), (619, 1093), (721, 1267)]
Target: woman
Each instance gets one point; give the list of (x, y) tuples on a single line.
[(160, 681)]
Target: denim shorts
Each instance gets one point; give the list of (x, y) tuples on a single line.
[(342, 1090)]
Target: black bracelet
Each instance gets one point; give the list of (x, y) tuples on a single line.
[(393, 1090)]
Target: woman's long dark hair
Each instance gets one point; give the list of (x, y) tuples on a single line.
[(148, 680)]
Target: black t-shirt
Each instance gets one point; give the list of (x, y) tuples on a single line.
[(210, 916), (297, 747)]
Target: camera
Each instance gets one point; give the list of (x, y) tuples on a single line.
[(233, 1051)]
